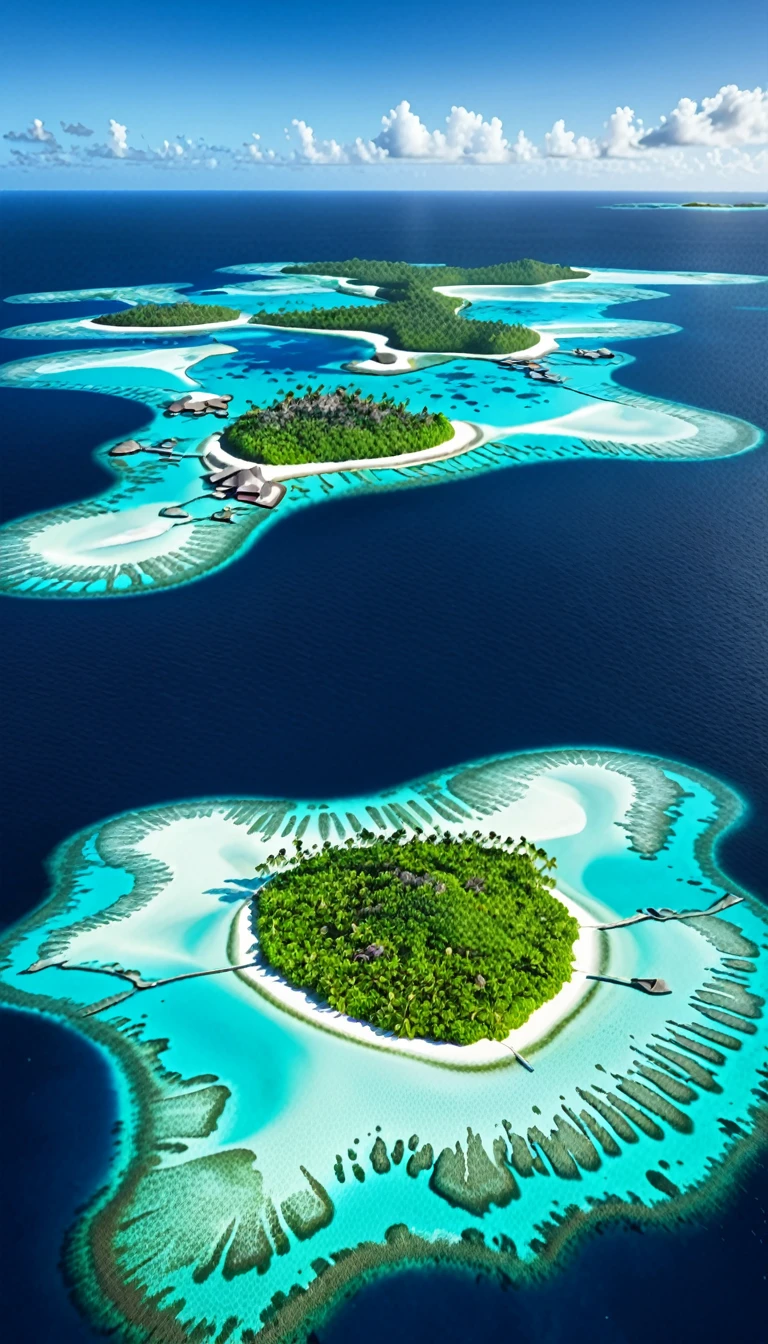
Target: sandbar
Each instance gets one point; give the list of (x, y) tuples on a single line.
[(611, 422), (175, 362)]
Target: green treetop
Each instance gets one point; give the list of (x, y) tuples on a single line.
[(413, 315), (338, 426), (450, 939), (169, 315)]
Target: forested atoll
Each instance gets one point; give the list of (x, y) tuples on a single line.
[(413, 315), (169, 315), (444, 937)]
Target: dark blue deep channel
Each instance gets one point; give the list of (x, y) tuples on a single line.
[(604, 603)]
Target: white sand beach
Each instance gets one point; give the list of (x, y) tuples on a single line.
[(90, 325), (612, 422), (541, 1023), (465, 437), (175, 362), (405, 362)]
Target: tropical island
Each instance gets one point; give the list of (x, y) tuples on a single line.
[(415, 315), (444, 938), (338, 426), (169, 315), (724, 205)]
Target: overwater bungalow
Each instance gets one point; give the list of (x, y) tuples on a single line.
[(268, 496), (248, 486), (197, 403)]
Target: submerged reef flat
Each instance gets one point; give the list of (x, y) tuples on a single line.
[(183, 503), (268, 1161)]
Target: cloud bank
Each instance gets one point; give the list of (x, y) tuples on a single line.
[(727, 125)]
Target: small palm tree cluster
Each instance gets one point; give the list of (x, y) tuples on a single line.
[(341, 407)]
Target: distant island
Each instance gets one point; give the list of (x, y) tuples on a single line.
[(337, 426), (442, 938), (169, 315), (414, 316), (723, 205)]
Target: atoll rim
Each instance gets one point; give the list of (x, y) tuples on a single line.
[(270, 1157), (164, 521)]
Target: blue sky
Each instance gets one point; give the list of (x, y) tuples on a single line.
[(605, 96)]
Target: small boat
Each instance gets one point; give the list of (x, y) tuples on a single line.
[(174, 511), (654, 985)]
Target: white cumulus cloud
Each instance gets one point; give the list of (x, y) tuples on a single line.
[(467, 137), (730, 118), (623, 133), (562, 144), (34, 134), (255, 151), (117, 141), (312, 150)]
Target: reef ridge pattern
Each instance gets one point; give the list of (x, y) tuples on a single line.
[(265, 1160)]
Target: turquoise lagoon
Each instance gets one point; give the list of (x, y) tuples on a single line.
[(119, 543), (258, 1174)]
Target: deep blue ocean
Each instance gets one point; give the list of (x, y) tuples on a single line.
[(589, 603)]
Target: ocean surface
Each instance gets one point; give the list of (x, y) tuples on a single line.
[(605, 603)]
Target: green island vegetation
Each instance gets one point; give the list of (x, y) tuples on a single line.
[(724, 205), (444, 937), (169, 315), (414, 316), (337, 426)]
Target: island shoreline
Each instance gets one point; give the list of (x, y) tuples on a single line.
[(589, 954)]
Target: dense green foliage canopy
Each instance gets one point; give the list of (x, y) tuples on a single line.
[(335, 426), (169, 315), (414, 316), (721, 205), (443, 938)]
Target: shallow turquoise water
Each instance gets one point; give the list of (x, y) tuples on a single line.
[(260, 365)]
